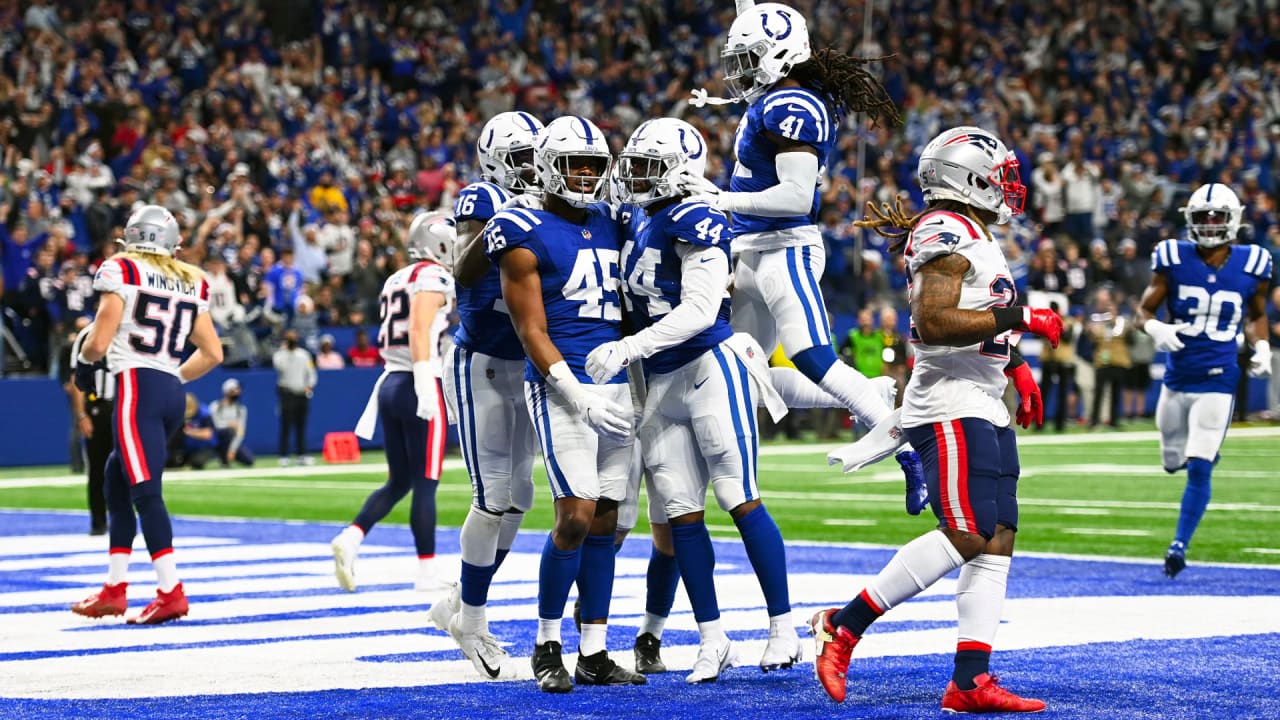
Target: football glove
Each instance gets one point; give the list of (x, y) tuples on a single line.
[(1260, 362), (1166, 334), (609, 359), (424, 385), (606, 417), (1031, 407)]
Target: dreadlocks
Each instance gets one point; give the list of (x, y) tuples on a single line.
[(847, 84), (894, 224)]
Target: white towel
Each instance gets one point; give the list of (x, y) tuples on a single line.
[(883, 440), (368, 421), (749, 352)]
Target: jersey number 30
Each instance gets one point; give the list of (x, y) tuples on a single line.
[(1207, 312)]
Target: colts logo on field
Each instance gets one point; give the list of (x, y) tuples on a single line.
[(764, 25)]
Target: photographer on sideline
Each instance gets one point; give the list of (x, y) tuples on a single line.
[(229, 419)]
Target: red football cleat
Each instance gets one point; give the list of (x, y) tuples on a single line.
[(167, 606), (832, 648), (987, 697), (110, 600)]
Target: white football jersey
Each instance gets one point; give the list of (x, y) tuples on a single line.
[(223, 304), (159, 313), (949, 383), (393, 313)]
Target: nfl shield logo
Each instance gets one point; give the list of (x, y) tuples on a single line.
[(751, 353), (586, 234)]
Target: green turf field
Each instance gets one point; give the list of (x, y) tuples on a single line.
[(1082, 494)]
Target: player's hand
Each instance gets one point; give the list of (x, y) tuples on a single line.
[(424, 385), (606, 417), (1031, 406), (917, 497), (1260, 362), (607, 360), (1166, 334), (1043, 322), (698, 188), (529, 201)]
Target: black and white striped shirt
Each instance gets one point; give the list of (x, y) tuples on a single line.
[(104, 382)]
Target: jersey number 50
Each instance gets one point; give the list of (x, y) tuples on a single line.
[(1206, 312), (169, 326)]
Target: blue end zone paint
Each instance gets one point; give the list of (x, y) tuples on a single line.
[(1236, 676)]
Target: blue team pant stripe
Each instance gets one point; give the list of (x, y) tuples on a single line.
[(467, 423), (823, 335), (748, 410), (548, 447), (736, 414), (799, 286)]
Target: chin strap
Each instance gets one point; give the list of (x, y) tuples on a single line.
[(701, 99)]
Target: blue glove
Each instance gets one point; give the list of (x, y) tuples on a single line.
[(84, 375), (917, 490)]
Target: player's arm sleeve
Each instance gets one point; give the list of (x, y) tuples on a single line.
[(704, 275), (793, 195)]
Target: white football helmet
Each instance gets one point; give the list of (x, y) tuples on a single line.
[(970, 165), (762, 47), (432, 236), (1213, 214), (658, 152), (565, 146), (505, 148), (151, 228)]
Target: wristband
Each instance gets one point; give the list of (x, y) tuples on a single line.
[(1008, 318), (1015, 360)]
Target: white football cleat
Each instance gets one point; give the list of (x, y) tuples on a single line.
[(714, 657), (427, 580), (443, 610), (344, 561), (783, 650), (481, 648)]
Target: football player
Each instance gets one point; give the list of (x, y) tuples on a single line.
[(484, 391), (1208, 285), (150, 305), (413, 313), (795, 97), (559, 269), (963, 313), (698, 428)]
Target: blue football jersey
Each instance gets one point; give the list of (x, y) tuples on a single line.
[(484, 325), (578, 265), (793, 113), (1214, 301), (651, 272)]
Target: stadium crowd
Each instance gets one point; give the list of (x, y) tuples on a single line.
[(294, 140)]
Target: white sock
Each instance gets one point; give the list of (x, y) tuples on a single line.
[(652, 624), (980, 597), (426, 567), (917, 565), (856, 393), (781, 625), (479, 537), (549, 630), (166, 572), (473, 619), (352, 534), (592, 638), (710, 631), (798, 391), (510, 526), (118, 568)]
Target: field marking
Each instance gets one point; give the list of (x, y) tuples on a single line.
[(849, 522), (1106, 531), (1081, 511), (1262, 551)]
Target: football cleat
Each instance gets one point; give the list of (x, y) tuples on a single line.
[(987, 697), (548, 668), (713, 658), (648, 659), (443, 610), (832, 647), (110, 600), (480, 647), (599, 669), (344, 561), (167, 606), (1175, 559), (782, 651)]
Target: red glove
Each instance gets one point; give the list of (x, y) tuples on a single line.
[(1031, 406), (1043, 322)]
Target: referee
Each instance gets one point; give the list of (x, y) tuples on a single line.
[(93, 415), (295, 379)]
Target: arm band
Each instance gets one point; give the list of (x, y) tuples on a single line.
[(1007, 318)]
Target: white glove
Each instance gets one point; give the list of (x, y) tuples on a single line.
[(529, 201), (1260, 362), (606, 417), (609, 359), (1165, 334), (698, 188), (424, 385)]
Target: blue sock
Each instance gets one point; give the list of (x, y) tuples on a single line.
[(474, 582), (763, 541), (815, 362), (422, 517), (153, 516), (499, 557), (1194, 499), (857, 616), (595, 577), (661, 581), (555, 577), (697, 562)]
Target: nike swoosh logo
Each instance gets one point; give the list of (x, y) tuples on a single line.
[(700, 383), (492, 672), (794, 109), (706, 259)]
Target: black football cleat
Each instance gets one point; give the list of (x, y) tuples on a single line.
[(577, 615), (648, 659), (599, 669), (1175, 560), (548, 668)]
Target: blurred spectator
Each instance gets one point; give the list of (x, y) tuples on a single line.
[(896, 353), (195, 445), (328, 358), (1047, 199), (864, 346), (295, 381), (284, 285), (1273, 383), (1058, 371), (1142, 352), (1080, 180), (230, 419), (1111, 333), (362, 354)]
